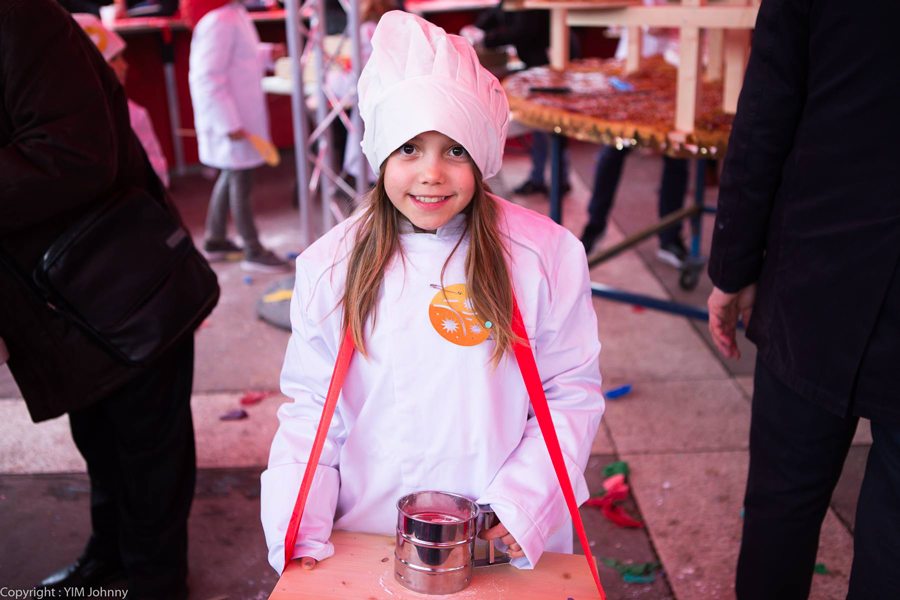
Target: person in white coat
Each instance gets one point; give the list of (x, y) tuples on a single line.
[(227, 63), (424, 277), (112, 47)]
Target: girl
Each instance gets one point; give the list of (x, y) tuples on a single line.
[(226, 67), (424, 278)]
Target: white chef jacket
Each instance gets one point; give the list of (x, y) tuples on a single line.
[(227, 64), (143, 128), (426, 414)]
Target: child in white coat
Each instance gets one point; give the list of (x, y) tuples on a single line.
[(112, 47), (227, 64), (425, 278)]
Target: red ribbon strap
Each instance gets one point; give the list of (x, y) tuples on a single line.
[(528, 367), (334, 390)]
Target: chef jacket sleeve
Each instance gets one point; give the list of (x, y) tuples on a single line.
[(525, 493), (305, 377), (211, 49), (762, 137)]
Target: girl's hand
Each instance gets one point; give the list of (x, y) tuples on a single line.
[(513, 549), (308, 563)]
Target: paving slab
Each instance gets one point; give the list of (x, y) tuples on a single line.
[(235, 350), (679, 416), (746, 384), (227, 550), (603, 443), (26, 447), (846, 493), (243, 443), (650, 346), (691, 504), (631, 546), (8, 387)]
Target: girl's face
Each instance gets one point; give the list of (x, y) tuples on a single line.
[(429, 179)]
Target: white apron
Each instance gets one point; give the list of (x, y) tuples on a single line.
[(426, 411)]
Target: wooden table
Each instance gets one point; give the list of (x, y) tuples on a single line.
[(596, 112), (362, 568)]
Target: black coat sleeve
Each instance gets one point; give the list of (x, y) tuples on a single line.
[(768, 114), (62, 152)]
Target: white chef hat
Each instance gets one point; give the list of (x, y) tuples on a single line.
[(420, 79), (108, 42)]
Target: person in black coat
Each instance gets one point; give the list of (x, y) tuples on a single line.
[(66, 146), (806, 249)]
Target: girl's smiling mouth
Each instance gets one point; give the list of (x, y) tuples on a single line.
[(429, 202)]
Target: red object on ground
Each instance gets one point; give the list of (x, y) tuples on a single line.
[(255, 397), (616, 491), (616, 514)]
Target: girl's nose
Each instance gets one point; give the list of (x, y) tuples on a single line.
[(431, 171)]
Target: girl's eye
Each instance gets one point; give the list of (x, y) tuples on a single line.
[(458, 152), (407, 149)]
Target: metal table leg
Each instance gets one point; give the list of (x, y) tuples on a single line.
[(699, 192), (556, 148), (168, 59)]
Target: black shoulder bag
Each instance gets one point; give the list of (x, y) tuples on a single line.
[(130, 276)]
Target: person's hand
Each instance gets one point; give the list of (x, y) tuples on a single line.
[(513, 549), (473, 34), (278, 51), (308, 563), (724, 310), (237, 134)]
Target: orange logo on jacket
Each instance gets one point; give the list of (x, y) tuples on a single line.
[(453, 316)]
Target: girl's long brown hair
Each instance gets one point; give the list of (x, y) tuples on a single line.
[(377, 241)]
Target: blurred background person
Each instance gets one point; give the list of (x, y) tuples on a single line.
[(227, 64), (529, 32), (112, 47), (611, 162)]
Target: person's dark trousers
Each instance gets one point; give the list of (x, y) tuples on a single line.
[(797, 452), (672, 189), (540, 155), (610, 162), (139, 447), (876, 538)]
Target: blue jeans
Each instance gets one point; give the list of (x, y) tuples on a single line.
[(672, 189), (540, 152)]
